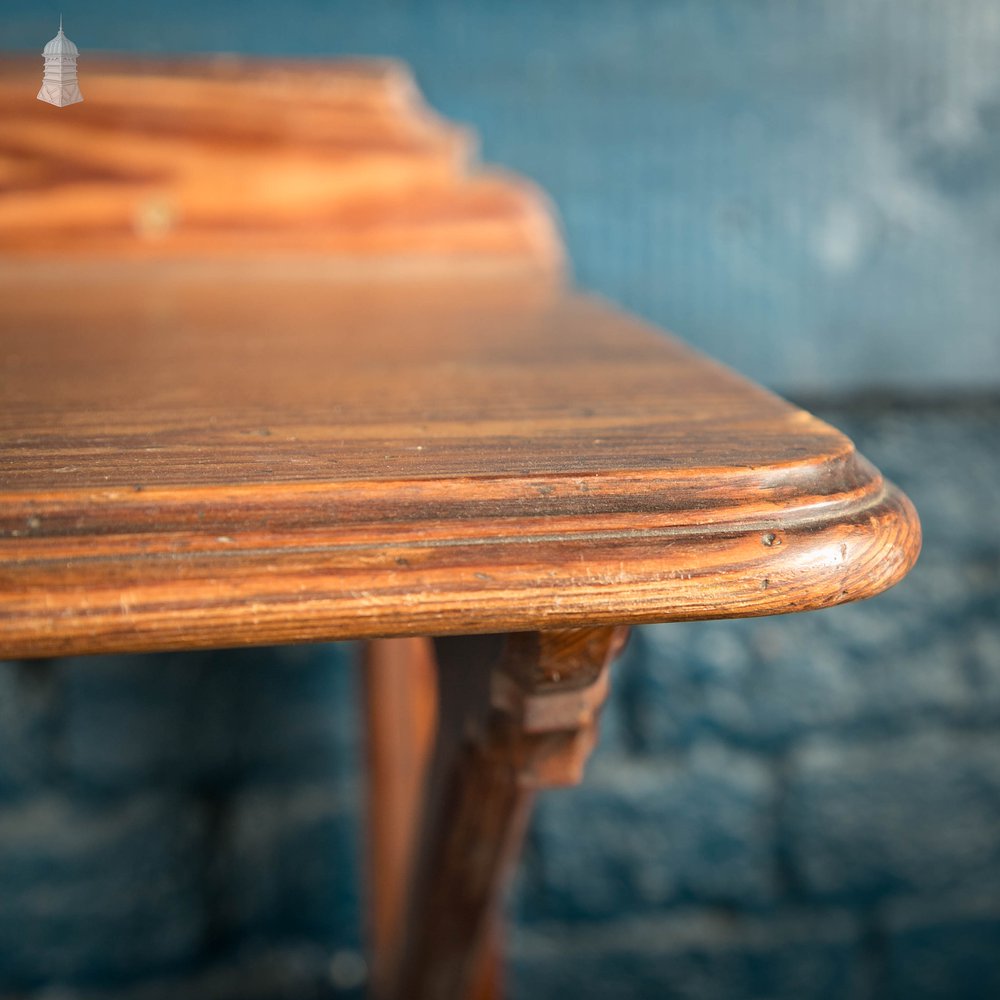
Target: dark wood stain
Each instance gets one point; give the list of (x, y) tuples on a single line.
[(214, 436), (438, 458), (279, 363)]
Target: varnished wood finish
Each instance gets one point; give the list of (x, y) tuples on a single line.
[(209, 437), (251, 158), (401, 703), (195, 461), (540, 726), (278, 364)]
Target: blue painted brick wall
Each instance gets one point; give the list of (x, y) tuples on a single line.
[(805, 807), (178, 822)]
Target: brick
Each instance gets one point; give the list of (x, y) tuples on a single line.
[(91, 891), (132, 721), (765, 684), (291, 864), (299, 716), (693, 955), (920, 813), (682, 684), (26, 727), (640, 836), (945, 946), (196, 719), (980, 651), (302, 971)]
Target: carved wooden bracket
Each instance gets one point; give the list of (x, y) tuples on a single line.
[(547, 690), (545, 695)]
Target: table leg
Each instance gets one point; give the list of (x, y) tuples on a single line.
[(528, 722), (400, 691)]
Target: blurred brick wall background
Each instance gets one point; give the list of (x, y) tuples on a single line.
[(804, 807), (801, 807)]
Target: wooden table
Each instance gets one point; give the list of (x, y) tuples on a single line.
[(289, 369)]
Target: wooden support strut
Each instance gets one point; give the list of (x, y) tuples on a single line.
[(539, 728), (401, 707)]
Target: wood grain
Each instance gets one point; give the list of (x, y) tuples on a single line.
[(537, 732), (252, 158), (401, 715), (278, 363), (209, 437), (195, 460)]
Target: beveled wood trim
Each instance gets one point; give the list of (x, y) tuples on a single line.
[(241, 157), (72, 594)]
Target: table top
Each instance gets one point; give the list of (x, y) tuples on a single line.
[(193, 457), (279, 362), (232, 157)]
